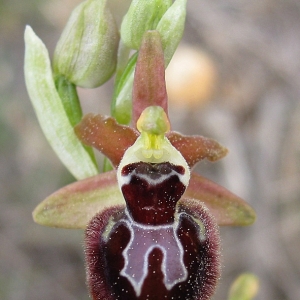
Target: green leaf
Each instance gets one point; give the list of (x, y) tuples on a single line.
[(245, 287), (227, 208), (74, 205), (50, 111)]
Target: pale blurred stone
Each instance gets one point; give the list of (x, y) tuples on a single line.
[(191, 77)]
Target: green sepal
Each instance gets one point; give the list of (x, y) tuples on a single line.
[(226, 207), (50, 110), (74, 205)]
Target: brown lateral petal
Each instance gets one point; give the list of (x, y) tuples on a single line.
[(74, 205), (227, 208), (106, 135), (149, 87), (195, 147)]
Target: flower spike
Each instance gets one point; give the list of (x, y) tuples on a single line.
[(151, 224)]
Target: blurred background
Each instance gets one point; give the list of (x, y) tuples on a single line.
[(238, 69)]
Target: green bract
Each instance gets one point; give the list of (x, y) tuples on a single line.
[(86, 53), (142, 16), (50, 110), (121, 107)]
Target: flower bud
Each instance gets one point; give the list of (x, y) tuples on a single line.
[(142, 16), (86, 53), (171, 27)]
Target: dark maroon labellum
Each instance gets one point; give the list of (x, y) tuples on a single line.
[(152, 191), (154, 248)]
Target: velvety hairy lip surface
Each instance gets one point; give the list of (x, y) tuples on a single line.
[(152, 191), (170, 251), (197, 234)]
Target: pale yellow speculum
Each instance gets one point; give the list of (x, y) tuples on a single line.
[(152, 145), (153, 124)]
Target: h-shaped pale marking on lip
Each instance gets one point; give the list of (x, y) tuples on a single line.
[(145, 238), (124, 180)]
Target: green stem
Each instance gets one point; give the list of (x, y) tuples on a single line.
[(70, 100), (69, 97)]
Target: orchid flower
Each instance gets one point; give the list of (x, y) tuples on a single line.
[(151, 223)]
